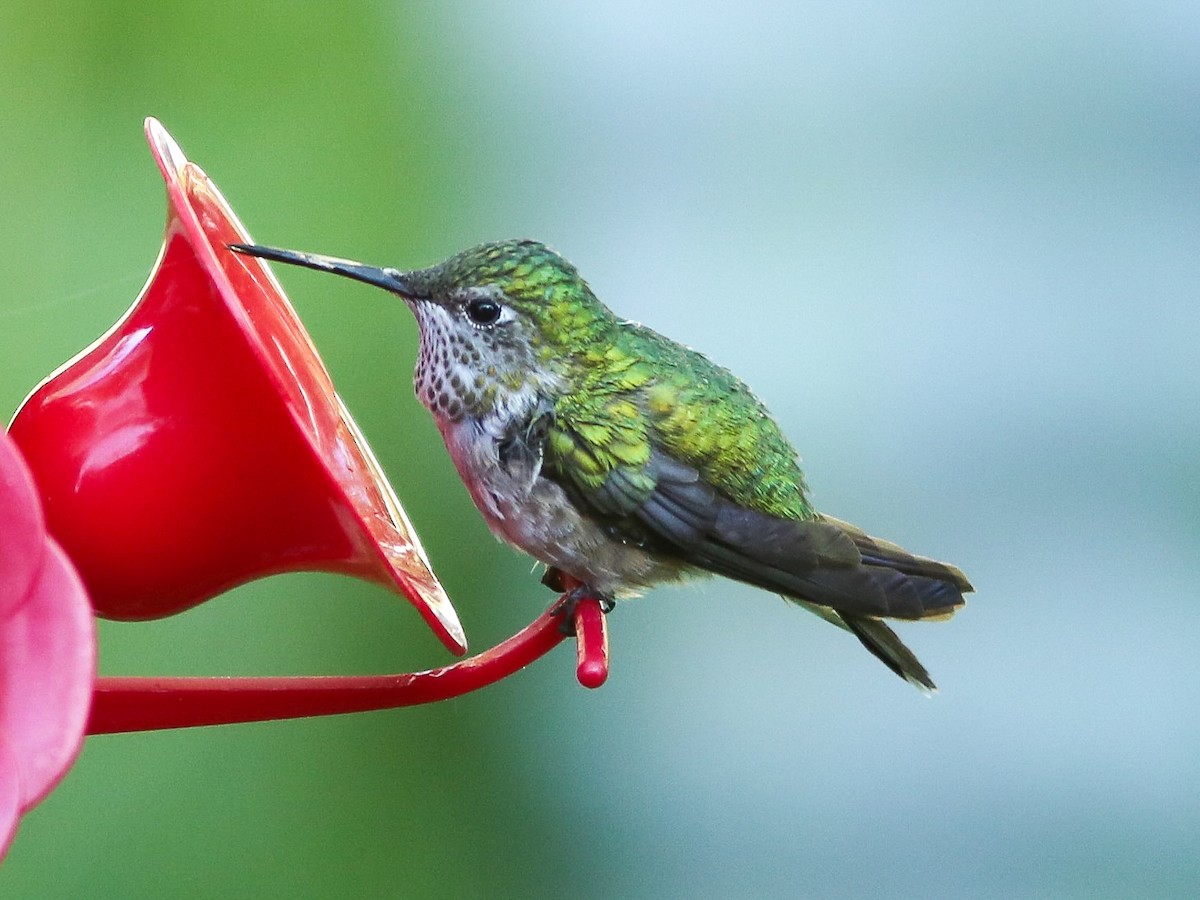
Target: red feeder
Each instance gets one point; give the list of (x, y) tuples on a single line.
[(205, 435)]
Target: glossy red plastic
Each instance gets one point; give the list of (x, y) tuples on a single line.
[(591, 651), (145, 704), (199, 444)]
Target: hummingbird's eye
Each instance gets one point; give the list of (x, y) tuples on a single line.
[(483, 311)]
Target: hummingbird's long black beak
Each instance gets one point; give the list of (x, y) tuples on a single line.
[(388, 279)]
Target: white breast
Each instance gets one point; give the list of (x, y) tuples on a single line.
[(535, 515)]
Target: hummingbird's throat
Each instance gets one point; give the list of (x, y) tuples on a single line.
[(449, 378), (464, 371)]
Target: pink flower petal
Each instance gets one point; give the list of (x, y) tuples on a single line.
[(10, 797), (22, 544), (47, 669)]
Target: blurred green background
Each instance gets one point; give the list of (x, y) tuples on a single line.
[(954, 249)]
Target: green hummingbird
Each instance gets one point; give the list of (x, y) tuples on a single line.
[(623, 459)]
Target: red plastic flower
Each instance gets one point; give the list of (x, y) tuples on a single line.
[(47, 650), (205, 433)]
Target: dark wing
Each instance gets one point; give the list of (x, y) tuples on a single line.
[(833, 569), (821, 561)]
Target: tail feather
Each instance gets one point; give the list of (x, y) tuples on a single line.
[(913, 588), (915, 596), (890, 650), (878, 552), (821, 561)]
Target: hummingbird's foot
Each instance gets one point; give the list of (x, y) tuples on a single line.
[(572, 599), (556, 579)]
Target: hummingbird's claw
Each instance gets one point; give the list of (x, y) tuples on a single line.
[(572, 599), (555, 579), (562, 583)]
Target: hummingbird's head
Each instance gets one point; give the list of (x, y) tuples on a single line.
[(501, 323)]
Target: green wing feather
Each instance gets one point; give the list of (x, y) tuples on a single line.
[(685, 405)]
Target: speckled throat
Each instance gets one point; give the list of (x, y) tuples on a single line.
[(449, 378), (463, 371)]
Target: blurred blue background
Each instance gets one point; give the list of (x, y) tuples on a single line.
[(953, 248)]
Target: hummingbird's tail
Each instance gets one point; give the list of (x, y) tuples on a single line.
[(884, 644), (938, 586), (879, 552), (887, 647)]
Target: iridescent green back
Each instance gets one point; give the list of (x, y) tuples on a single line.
[(701, 414)]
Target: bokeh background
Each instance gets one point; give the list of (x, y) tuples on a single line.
[(953, 248)]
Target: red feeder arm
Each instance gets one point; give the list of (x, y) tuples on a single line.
[(147, 704)]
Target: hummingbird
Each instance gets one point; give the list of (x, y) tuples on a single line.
[(623, 459)]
